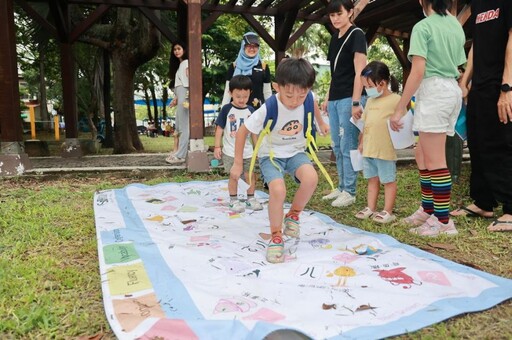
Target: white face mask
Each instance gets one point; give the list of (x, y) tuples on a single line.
[(372, 92)]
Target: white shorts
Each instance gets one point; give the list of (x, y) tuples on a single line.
[(437, 106)]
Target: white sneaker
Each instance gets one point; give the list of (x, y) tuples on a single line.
[(253, 204), (344, 199), (237, 206), (332, 195), (174, 160)]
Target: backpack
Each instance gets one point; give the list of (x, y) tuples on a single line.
[(309, 108), (309, 134)]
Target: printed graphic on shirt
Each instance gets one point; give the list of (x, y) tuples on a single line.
[(291, 128), (489, 15)]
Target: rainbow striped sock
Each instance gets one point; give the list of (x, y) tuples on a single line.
[(441, 192), (426, 192)]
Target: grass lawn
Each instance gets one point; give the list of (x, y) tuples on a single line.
[(49, 278)]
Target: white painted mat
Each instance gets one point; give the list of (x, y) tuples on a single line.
[(176, 264)]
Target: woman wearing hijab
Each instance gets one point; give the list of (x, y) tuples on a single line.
[(248, 63)]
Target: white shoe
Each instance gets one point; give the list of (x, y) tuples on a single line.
[(237, 206), (174, 160), (344, 199), (253, 204), (332, 195)]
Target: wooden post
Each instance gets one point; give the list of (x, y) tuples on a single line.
[(56, 127), (32, 115), (197, 160)]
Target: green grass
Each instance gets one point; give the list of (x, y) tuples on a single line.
[(49, 278)]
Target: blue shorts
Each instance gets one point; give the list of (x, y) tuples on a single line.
[(384, 169), (287, 165)]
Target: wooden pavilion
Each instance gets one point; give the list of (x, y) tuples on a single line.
[(392, 19)]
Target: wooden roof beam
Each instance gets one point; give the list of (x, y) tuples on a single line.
[(260, 30), (59, 12), (38, 18), (298, 33), (88, 22), (164, 29), (284, 30), (392, 33), (464, 14), (400, 55)]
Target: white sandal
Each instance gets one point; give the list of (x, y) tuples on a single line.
[(365, 214), (384, 217)]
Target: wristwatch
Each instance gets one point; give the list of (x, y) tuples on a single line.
[(355, 103), (505, 88)]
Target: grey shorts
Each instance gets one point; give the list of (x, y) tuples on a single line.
[(228, 163)]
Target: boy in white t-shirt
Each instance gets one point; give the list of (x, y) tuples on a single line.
[(232, 116), (282, 151)]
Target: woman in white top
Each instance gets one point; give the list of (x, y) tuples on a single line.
[(178, 73)]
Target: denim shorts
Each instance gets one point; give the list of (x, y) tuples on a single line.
[(287, 165), (384, 169)]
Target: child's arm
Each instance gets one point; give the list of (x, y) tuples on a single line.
[(412, 84), (238, 163), (360, 145), (217, 151)]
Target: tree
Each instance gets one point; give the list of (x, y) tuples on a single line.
[(132, 41), (381, 51)]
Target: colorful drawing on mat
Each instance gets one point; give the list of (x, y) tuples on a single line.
[(175, 263)]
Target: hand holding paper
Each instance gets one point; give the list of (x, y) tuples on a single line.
[(404, 137), (359, 123)]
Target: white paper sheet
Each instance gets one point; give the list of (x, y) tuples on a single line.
[(359, 123), (404, 137), (357, 160), (242, 188)]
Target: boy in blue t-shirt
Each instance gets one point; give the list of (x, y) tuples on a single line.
[(232, 116)]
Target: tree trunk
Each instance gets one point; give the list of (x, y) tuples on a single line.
[(155, 106), (126, 138), (148, 105)]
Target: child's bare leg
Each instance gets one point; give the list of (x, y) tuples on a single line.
[(389, 196), (373, 192), (277, 195), (252, 202), (252, 187), (308, 178)]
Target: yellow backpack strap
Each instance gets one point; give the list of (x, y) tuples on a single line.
[(263, 133), (263, 65), (311, 145)]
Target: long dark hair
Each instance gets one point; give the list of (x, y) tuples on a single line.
[(441, 7), (174, 63), (377, 71)]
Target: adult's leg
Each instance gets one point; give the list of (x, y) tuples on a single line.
[(477, 113), (184, 123), (349, 134), (334, 124)]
